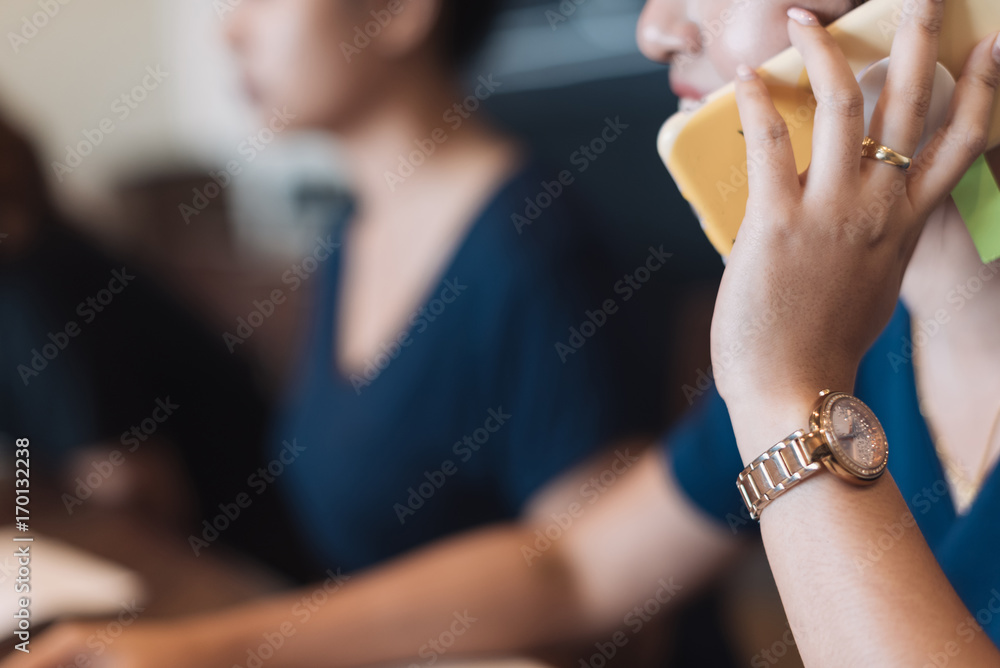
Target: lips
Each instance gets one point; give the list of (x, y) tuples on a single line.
[(682, 88), (690, 97), (685, 92)]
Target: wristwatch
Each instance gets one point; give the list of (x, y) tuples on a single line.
[(844, 438)]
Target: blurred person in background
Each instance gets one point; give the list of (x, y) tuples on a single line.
[(676, 518), (445, 379), (439, 388), (93, 352)]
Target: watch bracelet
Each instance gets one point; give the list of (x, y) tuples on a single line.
[(781, 467)]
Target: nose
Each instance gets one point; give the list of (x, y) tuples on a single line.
[(665, 32)]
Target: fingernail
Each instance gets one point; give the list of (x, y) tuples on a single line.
[(803, 16), (746, 73)]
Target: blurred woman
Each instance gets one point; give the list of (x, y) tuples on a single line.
[(444, 379), (437, 390)]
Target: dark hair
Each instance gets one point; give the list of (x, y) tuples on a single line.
[(21, 177), (464, 27)]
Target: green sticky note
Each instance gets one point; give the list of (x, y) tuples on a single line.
[(978, 200)]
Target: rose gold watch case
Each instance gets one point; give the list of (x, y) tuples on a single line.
[(822, 442)]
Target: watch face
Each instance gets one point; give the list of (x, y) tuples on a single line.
[(858, 442)]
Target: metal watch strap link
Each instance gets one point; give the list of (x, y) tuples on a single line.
[(769, 476)]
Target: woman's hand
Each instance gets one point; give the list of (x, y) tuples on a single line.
[(817, 266), (813, 279), (104, 645)]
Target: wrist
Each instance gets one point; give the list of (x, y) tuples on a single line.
[(762, 418)]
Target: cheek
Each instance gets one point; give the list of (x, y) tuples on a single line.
[(299, 62), (755, 32), (283, 41)]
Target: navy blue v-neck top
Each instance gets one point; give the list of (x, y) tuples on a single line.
[(470, 408), (705, 459)]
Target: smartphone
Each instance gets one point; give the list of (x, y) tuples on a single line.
[(704, 149)]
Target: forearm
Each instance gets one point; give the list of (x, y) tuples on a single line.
[(477, 589), (845, 606)]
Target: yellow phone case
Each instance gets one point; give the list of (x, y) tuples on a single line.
[(704, 150)]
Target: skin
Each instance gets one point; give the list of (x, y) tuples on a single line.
[(376, 103), (960, 379), (902, 610), (644, 528)]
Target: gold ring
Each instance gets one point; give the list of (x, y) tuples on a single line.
[(872, 149)]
